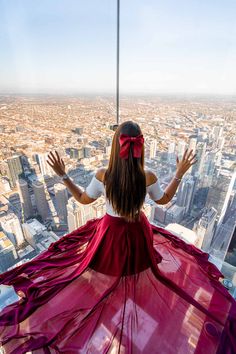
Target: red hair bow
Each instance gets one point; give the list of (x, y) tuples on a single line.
[(125, 141)]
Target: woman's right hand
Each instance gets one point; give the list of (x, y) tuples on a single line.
[(185, 163), (56, 163)]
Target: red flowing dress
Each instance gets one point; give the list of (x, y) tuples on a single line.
[(113, 286)]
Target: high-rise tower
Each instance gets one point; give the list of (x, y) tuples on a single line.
[(40, 199), (25, 198)]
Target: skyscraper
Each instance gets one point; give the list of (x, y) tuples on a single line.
[(185, 193), (77, 214), (45, 168), (61, 196), (40, 199), (205, 228), (153, 149), (171, 152), (10, 224), (219, 195), (193, 144), (227, 196), (181, 148), (8, 255), (201, 155), (231, 249), (14, 169), (210, 163), (25, 198)]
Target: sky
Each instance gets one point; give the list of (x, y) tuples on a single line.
[(69, 46)]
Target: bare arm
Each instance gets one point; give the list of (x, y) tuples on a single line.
[(169, 191), (58, 166), (77, 193)]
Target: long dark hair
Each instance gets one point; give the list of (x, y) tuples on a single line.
[(125, 180)]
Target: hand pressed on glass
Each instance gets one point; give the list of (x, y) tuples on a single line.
[(185, 163), (56, 163)]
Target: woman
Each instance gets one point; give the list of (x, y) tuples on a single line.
[(119, 284)]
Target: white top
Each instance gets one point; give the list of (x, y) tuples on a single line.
[(96, 188)]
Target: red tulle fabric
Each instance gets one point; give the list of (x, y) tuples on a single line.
[(117, 287)]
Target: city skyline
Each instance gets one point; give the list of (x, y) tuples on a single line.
[(36, 209), (70, 47)]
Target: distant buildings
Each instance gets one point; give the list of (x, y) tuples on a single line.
[(202, 199)]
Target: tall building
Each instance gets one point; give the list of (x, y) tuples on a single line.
[(14, 169), (25, 199), (217, 133), (37, 235), (61, 197), (181, 147), (159, 213), (171, 148), (227, 197), (45, 168), (87, 151), (4, 186), (206, 227), (40, 199), (210, 163), (201, 156), (193, 144), (221, 142), (223, 244), (153, 149), (171, 152), (185, 193), (98, 208), (219, 195), (11, 226), (81, 153), (8, 254), (174, 214), (221, 241), (74, 153), (231, 249), (77, 214)]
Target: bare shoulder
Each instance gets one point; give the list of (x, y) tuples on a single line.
[(150, 177), (101, 173)]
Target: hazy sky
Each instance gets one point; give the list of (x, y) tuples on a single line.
[(64, 46)]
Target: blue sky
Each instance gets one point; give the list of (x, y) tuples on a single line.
[(66, 46)]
